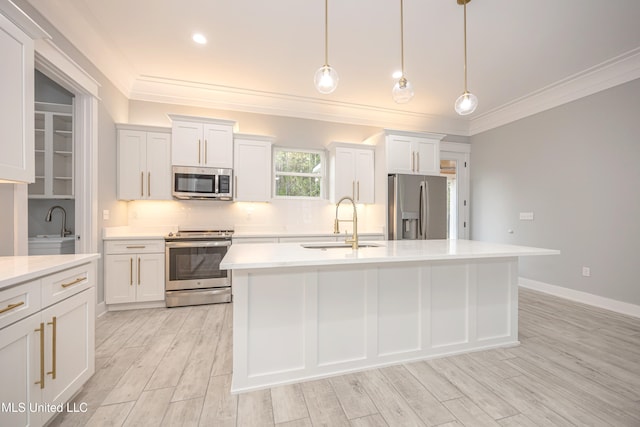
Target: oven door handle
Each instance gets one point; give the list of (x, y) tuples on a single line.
[(198, 244)]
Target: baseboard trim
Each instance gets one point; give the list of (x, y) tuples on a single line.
[(101, 309), (581, 297)]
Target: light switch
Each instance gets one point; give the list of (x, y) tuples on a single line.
[(105, 214)]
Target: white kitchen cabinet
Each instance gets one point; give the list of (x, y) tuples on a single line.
[(200, 141), (134, 271), (144, 163), (54, 152), (47, 352), (415, 155), (252, 168), (352, 172), (17, 88)]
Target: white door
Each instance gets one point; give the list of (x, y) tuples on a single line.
[(345, 173), (158, 170), (119, 285), (218, 146), (149, 277), (252, 171), (131, 158), (427, 157), (455, 166), (187, 141), (364, 176), (400, 157)]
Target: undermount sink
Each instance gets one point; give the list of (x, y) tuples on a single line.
[(337, 245), (51, 244)]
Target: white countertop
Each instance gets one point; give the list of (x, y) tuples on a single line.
[(18, 269), (265, 255)]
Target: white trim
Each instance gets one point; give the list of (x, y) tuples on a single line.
[(101, 309), (17, 16), (616, 71), (181, 92), (54, 61), (582, 297), (455, 147)]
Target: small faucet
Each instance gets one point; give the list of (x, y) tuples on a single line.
[(63, 231), (336, 223)]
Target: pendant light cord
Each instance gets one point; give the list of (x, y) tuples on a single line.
[(465, 45), (326, 33), (402, 36)]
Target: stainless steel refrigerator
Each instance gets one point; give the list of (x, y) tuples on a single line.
[(417, 207)]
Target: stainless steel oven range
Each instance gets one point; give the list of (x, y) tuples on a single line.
[(193, 274)]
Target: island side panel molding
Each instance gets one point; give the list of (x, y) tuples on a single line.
[(300, 323), (399, 310)]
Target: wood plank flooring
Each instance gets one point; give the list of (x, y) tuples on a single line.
[(577, 365)]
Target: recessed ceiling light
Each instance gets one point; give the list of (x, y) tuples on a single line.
[(199, 38), (397, 74)]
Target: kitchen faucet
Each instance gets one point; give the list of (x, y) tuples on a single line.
[(336, 223), (63, 232)]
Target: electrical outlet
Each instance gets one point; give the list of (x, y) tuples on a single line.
[(586, 271), (105, 214), (526, 216)]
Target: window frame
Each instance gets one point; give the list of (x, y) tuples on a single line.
[(322, 176)]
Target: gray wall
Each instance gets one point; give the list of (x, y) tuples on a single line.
[(577, 167)]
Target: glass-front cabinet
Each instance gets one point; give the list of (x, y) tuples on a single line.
[(54, 158)]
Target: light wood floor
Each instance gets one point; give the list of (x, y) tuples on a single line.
[(576, 365)]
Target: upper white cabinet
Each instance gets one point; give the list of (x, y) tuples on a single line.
[(144, 163), (17, 33), (410, 154), (352, 171), (54, 147), (414, 153), (252, 168), (199, 141)]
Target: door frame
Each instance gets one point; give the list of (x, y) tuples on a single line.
[(55, 64), (460, 152)]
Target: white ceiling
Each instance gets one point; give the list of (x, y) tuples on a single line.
[(524, 56)]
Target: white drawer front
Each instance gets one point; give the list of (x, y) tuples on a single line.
[(59, 286), (19, 302), (133, 246)]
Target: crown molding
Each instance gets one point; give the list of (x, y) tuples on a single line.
[(181, 92), (616, 71)]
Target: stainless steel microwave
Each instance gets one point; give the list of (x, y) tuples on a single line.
[(202, 183)]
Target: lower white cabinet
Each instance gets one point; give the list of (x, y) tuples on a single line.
[(46, 357), (134, 271)]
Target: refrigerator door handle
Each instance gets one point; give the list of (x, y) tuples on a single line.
[(423, 220)]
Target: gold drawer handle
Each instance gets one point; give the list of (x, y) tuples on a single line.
[(11, 307), (54, 344), (41, 331), (136, 247), (78, 280)]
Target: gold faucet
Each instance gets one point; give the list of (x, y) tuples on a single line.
[(336, 223)]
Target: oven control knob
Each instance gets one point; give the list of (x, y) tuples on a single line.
[(171, 234)]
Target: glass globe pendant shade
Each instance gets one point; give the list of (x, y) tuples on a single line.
[(326, 79), (402, 91), (466, 103)]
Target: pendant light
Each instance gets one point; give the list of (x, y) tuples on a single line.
[(402, 91), (326, 78), (467, 102)]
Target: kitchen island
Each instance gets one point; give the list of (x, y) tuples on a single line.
[(310, 312)]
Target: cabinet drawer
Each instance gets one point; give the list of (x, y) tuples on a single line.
[(133, 246), (59, 286), (19, 302)]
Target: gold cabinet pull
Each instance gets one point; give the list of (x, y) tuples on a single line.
[(358, 187), (149, 184), (141, 184), (413, 161), (136, 247), (11, 307), (418, 161), (41, 330), (235, 186), (130, 271), (205, 152), (199, 147), (53, 323), (138, 271), (78, 280)]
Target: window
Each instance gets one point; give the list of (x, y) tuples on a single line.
[(298, 173)]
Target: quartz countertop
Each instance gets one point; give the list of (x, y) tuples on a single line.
[(276, 255), (18, 269)]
